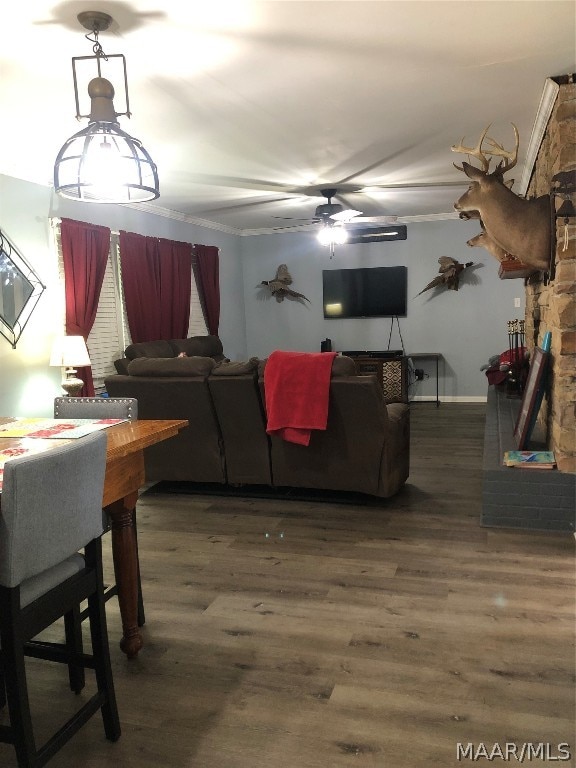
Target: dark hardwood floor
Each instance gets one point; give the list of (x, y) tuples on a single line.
[(319, 635)]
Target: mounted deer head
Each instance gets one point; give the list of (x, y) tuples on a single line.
[(482, 240), (518, 226)]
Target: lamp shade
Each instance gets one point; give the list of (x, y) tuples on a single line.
[(69, 352)]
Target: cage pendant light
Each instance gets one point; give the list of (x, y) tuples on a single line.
[(102, 163)]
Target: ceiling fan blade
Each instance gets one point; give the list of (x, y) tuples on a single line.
[(250, 203), (303, 227), (346, 215), (235, 182), (295, 218), (411, 185), (373, 220)]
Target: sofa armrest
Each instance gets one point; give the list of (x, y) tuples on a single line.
[(395, 466), (121, 366)]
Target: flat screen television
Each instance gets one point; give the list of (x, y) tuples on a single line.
[(365, 292)]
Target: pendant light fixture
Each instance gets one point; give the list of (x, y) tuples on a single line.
[(102, 163)]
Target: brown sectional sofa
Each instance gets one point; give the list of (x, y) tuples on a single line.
[(204, 346), (365, 447)]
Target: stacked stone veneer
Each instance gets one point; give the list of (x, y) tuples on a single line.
[(551, 306)]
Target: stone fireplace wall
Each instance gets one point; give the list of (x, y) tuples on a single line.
[(551, 306)]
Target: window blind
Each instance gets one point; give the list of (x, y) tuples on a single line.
[(110, 334)]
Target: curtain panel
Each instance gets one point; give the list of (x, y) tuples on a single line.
[(85, 250), (156, 277), (208, 271)]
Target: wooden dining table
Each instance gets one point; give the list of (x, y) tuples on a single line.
[(124, 477)]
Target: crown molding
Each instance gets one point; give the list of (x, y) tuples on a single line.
[(313, 228), (547, 101), (168, 213)]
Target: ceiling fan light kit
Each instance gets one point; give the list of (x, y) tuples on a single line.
[(333, 218), (332, 215), (102, 163), (332, 234)]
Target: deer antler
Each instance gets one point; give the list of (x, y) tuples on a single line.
[(509, 158), (473, 151)]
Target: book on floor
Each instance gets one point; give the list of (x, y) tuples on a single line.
[(530, 459)]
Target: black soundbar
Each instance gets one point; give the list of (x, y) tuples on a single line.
[(388, 353)]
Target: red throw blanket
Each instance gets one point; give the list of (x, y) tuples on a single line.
[(297, 386)]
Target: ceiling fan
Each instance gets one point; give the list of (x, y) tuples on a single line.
[(334, 217), (330, 213), (335, 212), (276, 193)]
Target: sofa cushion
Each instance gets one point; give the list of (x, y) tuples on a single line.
[(343, 366), (175, 366), (121, 366), (159, 348), (236, 368), (198, 346)]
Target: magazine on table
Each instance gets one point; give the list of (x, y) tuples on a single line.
[(530, 459)]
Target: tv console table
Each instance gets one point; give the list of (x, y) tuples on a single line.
[(433, 356), (391, 370)]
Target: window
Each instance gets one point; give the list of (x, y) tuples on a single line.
[(110, 334), (197, 325)]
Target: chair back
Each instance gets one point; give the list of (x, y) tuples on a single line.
[(51, 506), (95, 408)]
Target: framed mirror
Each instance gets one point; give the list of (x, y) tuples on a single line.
[(20, 291)]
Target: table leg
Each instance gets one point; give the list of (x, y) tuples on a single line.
[(126, 570)]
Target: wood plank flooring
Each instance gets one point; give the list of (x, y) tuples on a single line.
[(321, 635)]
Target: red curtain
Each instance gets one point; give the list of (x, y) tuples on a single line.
[(85, 249), (208, 270), (156, 277), (175, 289)]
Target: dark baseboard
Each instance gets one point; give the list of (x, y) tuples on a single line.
[(265, 492)]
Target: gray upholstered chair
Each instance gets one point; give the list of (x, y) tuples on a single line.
[(95, 408), (103, 408), (51, 507)]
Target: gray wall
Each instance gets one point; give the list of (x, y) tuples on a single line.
[(27, 384), (466, 326)]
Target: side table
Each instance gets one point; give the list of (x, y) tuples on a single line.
[(432, 356)]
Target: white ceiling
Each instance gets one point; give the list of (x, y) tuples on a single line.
[(245, 106)]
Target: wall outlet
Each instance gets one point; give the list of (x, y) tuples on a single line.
[(516, 302)]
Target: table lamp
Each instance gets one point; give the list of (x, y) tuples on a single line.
[(69, 352)]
